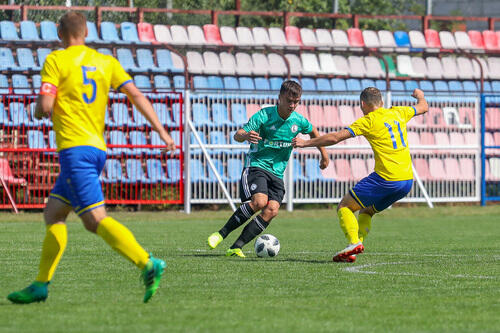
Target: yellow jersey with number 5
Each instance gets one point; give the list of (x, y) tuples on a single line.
[(385, 130), (82, 78)]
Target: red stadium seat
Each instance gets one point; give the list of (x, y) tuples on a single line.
[(146, 33), (7, 174), (302, 109), (212, 34), (436, 168), (343, 169), (317, 116), (252, 109), (435, 117), (467, 116), (432, 38), (293, 36), (422, 169), (476, 39), (331, 116), (467, 169), (358, 167), (346, 115), (355, 37), (490, 39), (452, 169)]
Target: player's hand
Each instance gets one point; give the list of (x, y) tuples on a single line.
[(169, 142), (253, 137), (323, 163), (39, 114), (298, 142), (418, 94)]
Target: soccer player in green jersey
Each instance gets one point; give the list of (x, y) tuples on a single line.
[(392, 179), (269, 132)]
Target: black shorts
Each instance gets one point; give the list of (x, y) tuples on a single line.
[(257, 180)]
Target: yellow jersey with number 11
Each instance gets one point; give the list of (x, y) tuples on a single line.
[(81, 78), (385, 130)]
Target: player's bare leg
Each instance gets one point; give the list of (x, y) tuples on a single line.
[(55, 214), (350, 227)]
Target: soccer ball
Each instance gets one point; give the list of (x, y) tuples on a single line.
[(267, 246)]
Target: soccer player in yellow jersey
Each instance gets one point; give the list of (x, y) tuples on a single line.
[(385, 130), (75, 87)]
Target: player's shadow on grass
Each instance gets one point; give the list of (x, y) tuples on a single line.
[(214, 255)]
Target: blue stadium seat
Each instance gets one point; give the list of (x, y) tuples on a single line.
[(109, 34), (129, 33), (156, 141), (120, 114), (19, 115), (308, 84), (232, 141), (7, 60), (426, 86), (36, 140), (139, 119), (312, 170), (142, 82), (298, 173), (353, 85), (118, 138), (203, 138), (215, 82), (220, 116), (218, 138), (486, 87), (239, 114), (402, 39), (155, 171), (179, 81), (338, 85), (219, 166), (200, 115), (25, 59), (21, 85), (48, 30), (231, 83), (8, 31), (173, 171), (29, 31), (470, 86), (162, 83), (105, 51), (261, 83), (234, 169), (135, 172), (126, 59), (163, 114), (4, 85), (92, 36), (495, 86), (138, 138), (323, 84), (397, 86), (200, 82), (164, 60), (145, 61), (41, 54), (440, 86), (246, 83), (176, 113), (52, 140), (411, 85), (381, 85), (455, 86), (114, 173), (275, 83), (365, 83), (37, 82), (197, 171)]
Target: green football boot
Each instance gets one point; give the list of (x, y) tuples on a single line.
[(214, 240), (235, 253), (151, 275), (35, 292)]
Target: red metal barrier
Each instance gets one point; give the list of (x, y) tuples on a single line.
[(137, 171)]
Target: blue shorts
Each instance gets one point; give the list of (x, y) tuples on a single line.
[(78, 183), (375, 190)]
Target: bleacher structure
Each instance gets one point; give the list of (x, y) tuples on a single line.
[(206, 81)]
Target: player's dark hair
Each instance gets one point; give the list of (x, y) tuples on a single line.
[(291, 88), (72, 24), (371, 96)]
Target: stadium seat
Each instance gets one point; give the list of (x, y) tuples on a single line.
[(231, 83), (317, 116), (126, 59), (465, 69), (462, 40), (340, 39), (261, 36), (298, 171), (365, 83), (293, 36), (381, 85), (277, 65), (411, 85), (432, 38), (200, 82), (215, 82), (308, 37), (338, 85), (405, 66), (295, 64), (357, 66), (238, 114), (244, 64), (353, 85), (373, 68), (117, 137), (92, 35), (260, 64), (109, 34), (346, 115), (21, 85), (371, 39), (18, 115), (197, 171), (196, 35), (434, 68), (218, 138), (234, 170), (145, 61), (7, 60), (455, 86), (275, 83), (135, 172), (310, 65), (142, 82), (29, 31), (195, 62), (200, 115), (8, 31), (436, 168), (114, 171), (466, 166), (129, 33), (7, 175), (422, 168), (476, 39), (308, 84), (156, 141), (277, 37), (323, 84), (262, 83), (212, 34), (417, 39), (212, 64), (48, 31), (358, 168), (447, 40), (341, 64), (490, 39), (165, 61), (252, 109), (397, 86), (146, 33), (441, 86), (450, 70), (342, 170), (435, 116), (328, 66), (138, 138), (228, 36), (179, 82), (220, 115), (162, 34), (228, 63), (427, 86), (402, 41), (25, 59), (324, 38), (246, 83), (174, 172), (219, 166), (355, 37), (391, 66), (120, 114), (162, 83), (313, 172), (155, 171), (245, 36), (387, 41), (179, 35), (36, 139)]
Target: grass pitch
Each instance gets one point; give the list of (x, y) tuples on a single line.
[(424, 270)]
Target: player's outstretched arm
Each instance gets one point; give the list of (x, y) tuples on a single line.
[(144, 106), (422, 106), (242, 135), (44, 105), (324, 140), (324, 156)]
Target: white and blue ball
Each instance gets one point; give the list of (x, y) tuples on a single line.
[(267, 246)]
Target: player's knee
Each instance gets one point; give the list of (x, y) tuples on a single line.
[(272, 212), (259, 203)]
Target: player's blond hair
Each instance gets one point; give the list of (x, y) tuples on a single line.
[(371, 96), (72, 24)]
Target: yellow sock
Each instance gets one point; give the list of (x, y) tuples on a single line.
[(122, 241), (349, 224), (54, 244), (365, 224)]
